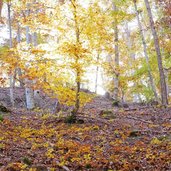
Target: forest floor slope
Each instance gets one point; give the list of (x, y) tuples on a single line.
[(109, 138)]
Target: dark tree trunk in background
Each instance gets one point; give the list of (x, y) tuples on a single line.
[(159, 58)]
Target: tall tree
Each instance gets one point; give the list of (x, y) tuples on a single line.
[(159, 58), (28, 90), (78, 76), (10, 45), (116, 59), (145, 52), (19, 69)]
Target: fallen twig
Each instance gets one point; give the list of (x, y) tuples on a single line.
[(139, 119), (63, 167)]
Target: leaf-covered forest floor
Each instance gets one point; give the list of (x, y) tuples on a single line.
[(108, 138)]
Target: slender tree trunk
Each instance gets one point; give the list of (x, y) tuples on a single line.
[(37, 92), (19, 72), (166, 71), (77, 103), (78, 79), (18, 33), (9, 24), (1, 4), (132, 55), (116, 60), (10, 45), (97, 73), (14, 77), (34, 39), (129, 43), (145, 53), (159, 58), (122, 95), (28, 90)]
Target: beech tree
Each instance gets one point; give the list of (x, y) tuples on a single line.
[(77, 55), (159, 58), (116, 60), (10, 46), (145, 52)]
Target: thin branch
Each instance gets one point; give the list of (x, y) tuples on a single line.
[(63, 167)]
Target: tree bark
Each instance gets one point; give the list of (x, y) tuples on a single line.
[(10, 45), (159, 58), (9, 24), (19, 72), (28, 90), (166, 71), (18, 33), (145, 53), (78, 81), (116, 60)]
